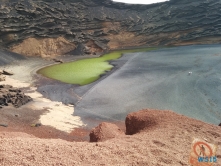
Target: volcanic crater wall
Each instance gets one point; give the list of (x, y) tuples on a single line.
[(95, 25)]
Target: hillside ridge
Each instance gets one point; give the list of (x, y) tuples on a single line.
[(95, 26)]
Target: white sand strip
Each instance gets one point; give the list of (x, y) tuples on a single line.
[(58, 116)]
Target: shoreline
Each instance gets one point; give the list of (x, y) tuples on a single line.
[(83, 63), (30, 82), (77, 90), (45, 111), (171, 135), (47, 86), (106, 102)]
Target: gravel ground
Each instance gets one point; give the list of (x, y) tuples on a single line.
[(168, 143)]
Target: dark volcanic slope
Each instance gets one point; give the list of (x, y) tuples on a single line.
[(7, 57), (106, 24)]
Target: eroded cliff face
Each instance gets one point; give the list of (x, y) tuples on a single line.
[(94, 26), (46, 47)]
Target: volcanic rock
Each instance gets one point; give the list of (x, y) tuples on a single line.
[(7, 73), (12, 96), (36, 125), (104, 132), (4, 125), (138, 121), (44, 28), (57, 60)]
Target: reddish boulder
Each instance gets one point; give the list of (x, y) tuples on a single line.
[(104, 132), (137, 121)]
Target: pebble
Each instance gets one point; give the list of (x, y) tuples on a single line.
[(4, 125)]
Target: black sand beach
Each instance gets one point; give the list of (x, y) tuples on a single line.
[(160, 79)]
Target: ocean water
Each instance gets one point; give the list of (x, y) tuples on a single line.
[(160, 79)]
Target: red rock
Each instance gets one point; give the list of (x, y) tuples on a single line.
[(104, 132), (137, 121)]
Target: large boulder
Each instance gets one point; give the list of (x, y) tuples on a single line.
[(137, 121), (104, 132)]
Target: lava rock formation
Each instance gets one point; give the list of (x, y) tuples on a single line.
[(12, 96)]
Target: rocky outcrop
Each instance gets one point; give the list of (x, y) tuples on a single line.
[(104, 132), (94, 25), (4, 72), (57, 60), (138, 121), (12, 96), (135, 122)]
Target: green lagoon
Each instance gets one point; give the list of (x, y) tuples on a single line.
[(84, 71)]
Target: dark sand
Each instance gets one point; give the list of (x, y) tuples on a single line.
[(159, 79)]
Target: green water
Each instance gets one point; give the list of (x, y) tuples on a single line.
[(84, 71)]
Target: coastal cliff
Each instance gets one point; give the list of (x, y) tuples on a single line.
[(93, 26)]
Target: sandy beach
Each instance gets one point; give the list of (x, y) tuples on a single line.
[(53, 115)]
